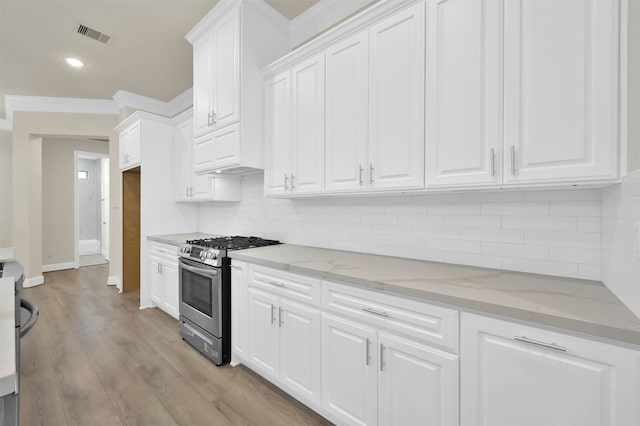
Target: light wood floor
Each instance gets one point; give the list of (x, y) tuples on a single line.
[(94, 358)]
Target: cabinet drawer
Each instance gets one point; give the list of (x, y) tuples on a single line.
[(293, 286), (417, 320), (164, 251)]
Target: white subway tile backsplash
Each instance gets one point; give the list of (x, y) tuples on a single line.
[(516, 209), (562, 239), (459, 246), (563, 195), (497, 235), (502, 229), (473, 221), (539, 223), (515, 250), (575, 208), (575, 254)]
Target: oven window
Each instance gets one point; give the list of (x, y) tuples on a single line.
[(196, 292)]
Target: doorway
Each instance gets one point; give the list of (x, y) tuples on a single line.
[(91, 189)]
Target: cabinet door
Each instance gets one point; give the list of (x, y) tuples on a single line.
[(417, 384), (226, 69), (203, 153), (239, 310), (396, 101), (464, 93), (264, 333), (171, 284), (202, 85), (349, 373), (307, 78), (515, 374), (560, 90), (182, 145), (155, 279), (226, 151), (347, 113), (277, 173), (300, 356), (130, 146)]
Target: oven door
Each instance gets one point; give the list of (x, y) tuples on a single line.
[(201, 295)]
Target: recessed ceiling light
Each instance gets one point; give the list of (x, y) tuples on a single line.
[(76, 63)]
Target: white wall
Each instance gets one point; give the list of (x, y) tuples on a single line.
[(545, 232), (6, 179)]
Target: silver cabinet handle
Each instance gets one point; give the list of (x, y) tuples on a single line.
[(214, 118), (158, 268), (277, 284), (373, 311), (285, 182), (539, 343), (493, 162), (360, 174), (160, 265), (292, 177), (272, 309), (513, 160), (366, 352), (370, 173), (209, 120), (381, 357), (280, 321)]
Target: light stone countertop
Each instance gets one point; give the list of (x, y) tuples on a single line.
[(177, 239), (574, 305), (6, 254), (7, 336)]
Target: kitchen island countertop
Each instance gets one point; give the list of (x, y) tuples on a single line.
[(580, 306), (177, 239)]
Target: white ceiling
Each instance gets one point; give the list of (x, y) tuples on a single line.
[(147, 53)]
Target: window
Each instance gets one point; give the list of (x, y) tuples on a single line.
[(83, 174)]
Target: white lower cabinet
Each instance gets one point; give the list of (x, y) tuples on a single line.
[(239, 313), (284, 344), (516, 374), (164, 278), (373, 377)]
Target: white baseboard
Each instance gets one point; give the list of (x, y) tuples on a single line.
[(32, 282), (58, 266), (113, 280), (105, 253)]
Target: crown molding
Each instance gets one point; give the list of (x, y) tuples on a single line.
[(178, 104), (321, 16), (15, 103)]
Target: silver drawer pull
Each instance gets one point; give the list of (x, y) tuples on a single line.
[(539, 343), (277, 284), (373, 311)]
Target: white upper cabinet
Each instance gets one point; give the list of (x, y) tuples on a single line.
[(230, 45), (307, 79), (463, 93), (294, 110), (216, 75), (561, 100), (396, 100), (188, 185), (347, 109), (278, 134), (130, 146)]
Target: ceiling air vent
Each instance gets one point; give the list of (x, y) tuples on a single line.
[(94, 34)]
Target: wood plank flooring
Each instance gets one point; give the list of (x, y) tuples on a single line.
[(94, 358)]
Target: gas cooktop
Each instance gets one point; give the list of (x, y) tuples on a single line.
[(235, 242)]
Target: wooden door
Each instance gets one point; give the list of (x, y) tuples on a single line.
[(131, 229)]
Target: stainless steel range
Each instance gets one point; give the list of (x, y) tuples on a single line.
[(205, 293)]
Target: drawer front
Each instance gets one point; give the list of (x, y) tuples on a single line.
[(164, 251), (428, 323), (296, 287)]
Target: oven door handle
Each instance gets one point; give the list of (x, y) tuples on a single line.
[(212, 272)]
